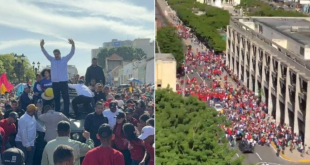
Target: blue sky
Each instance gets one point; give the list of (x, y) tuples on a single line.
[(89, 23)]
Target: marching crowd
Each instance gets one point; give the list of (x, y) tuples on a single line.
[(247, 113), (118, 127)]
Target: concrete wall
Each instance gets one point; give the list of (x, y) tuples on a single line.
[(165, 76), (282, 40), (127, 72), (149, 78)]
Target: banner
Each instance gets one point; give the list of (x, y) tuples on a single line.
[(2, 89), (7, 84)]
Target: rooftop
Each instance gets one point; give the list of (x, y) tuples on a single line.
[(296, 28), (164, 57)]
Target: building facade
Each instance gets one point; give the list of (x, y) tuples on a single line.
[(272, 55), (149, 78), (165, 71), (113, 61)]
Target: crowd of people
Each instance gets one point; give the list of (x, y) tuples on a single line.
[(118, 126), (244, 108)]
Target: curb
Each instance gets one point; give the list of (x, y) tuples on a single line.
[(289, 159)]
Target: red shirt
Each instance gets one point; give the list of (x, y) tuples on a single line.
[(150, 150), (120, 141), (8, 129), (3, 134), (103, 155), (136, 150)]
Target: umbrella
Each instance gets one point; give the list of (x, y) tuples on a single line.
[(135, 80)]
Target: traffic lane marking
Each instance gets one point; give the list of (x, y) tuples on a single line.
[(259, 156)]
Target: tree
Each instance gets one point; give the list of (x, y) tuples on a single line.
[(206, 26), (128, 54), (7, 64), (169, 42), (186, 132)]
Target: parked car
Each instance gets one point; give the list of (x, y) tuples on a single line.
[(246, 147), (218, 107)]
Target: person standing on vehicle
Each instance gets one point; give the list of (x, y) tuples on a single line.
[(85, 97), (94, 72), (63, 138), (93, 121), (104, 154), (27, 131), (59, 72), (37, 90), (25, 99), (51, 120)]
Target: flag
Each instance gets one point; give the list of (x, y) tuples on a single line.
[(3, 89), (5, 82)]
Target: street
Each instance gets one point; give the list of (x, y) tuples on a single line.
[(262, 154)]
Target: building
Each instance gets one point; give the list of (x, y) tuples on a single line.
[(72, 70), (143, 43), (165, 71), (112, 62), (272, 55), (149, 77), (113, 76), (127, 72)]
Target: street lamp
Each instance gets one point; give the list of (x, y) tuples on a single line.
[(19, 65), (34, 68)]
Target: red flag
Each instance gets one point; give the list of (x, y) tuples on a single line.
[(5, 82)]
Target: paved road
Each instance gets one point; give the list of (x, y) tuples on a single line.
[(262, 154)]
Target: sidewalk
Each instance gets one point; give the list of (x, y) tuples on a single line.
[(294, 156)]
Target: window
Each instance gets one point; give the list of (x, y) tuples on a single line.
[(302, 51), (260, 29)]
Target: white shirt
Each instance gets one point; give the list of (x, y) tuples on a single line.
[(27, 130), (82, 89), (111, 116), (120, 103), (59, 68)]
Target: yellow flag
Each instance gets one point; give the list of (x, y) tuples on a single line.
[(3, 89)]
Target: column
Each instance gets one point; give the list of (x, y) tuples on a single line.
[(270, 103), (287, 95), (263, 77), (240, 59), (227, 62), (250, 68), (245, 77), (256, 69), (307, 116), (278, 91), (297, 107)]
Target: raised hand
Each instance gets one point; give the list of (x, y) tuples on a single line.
[(71, 42), (42, 43)]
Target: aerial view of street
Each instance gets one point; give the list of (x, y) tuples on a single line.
[(77, 82), (247, 80)]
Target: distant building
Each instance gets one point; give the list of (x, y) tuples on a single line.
[(113, 61), (165, 71), (143, 43), (150, 71)]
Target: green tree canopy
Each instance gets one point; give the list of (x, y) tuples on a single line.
[(169, 42), (259, 8), (7, 64), (204, 26), (128, 54), (186, 132)]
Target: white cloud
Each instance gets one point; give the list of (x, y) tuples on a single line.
[(35, 42), (119, 9), (32, 18)]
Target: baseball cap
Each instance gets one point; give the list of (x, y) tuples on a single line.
[(146, 132), (105, 131), (129, 110), (120, 115), (31, 107), (13, 156), (14, 115), (113, 104)]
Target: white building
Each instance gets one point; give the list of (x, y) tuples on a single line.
[(127, 72), (150, 71), (273, 55), (165, 71)]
